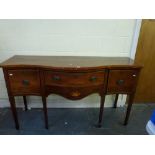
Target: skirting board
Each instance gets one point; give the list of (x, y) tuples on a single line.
[(55, 102)]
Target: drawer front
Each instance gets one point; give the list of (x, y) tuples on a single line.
[(70, 79), (122, 81), (73, 93), (24, 81)]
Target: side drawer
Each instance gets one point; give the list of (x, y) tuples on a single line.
[(26, 81), (122, 81)]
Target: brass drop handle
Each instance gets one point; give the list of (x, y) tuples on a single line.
[(56, 78), (93, 78), (120, 82), (25, 82)]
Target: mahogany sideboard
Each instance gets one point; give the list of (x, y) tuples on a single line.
[(71, 77)]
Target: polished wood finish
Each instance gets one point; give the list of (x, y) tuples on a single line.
[(45, 111), (24, 81), (130, 98), (73, 93), (101, 110), (122, 81), (25, 103), (67, 62), (71, 77), (14, 111), (11, 99), (74, 85), (116, 99), (145, 56)]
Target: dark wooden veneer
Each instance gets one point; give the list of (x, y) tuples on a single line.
[(68, 62), (71, 77)]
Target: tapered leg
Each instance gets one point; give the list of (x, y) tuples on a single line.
[(116, 99), (101, 110), (45, 111), (25, 102), (130, 101), (14, 112)]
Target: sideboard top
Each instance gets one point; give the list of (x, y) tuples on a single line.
[(66, 61)]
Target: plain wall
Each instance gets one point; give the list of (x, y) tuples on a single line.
[(64, 37)]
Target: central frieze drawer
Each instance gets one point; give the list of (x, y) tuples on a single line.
[(74, 92), (69, 79)]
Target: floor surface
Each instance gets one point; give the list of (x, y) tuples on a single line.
[(77, 121)]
